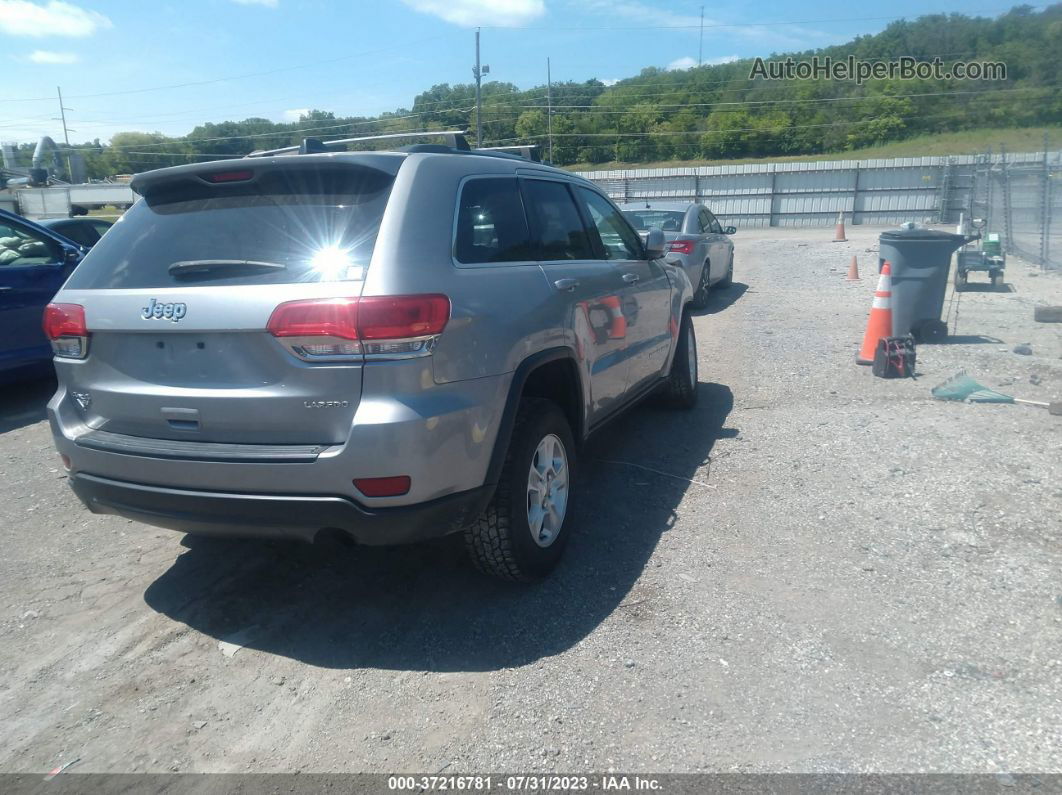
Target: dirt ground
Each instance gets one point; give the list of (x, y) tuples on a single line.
[(826, 572)]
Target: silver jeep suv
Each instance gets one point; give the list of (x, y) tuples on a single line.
[(393, 345)]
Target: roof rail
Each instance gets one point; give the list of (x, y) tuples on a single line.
[(526, 151), (454, 139)]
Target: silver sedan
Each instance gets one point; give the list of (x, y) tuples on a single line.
[(695, 240)]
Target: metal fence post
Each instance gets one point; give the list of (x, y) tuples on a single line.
[(770, 198), (1045, 211), (1008, 220), (945, 185), (855, 192), (988, 192)]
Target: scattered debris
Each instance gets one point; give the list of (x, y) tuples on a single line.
[(235, 641), (1025, 349), (55, 771), (199, 724), (1047, 314), (657, 471)]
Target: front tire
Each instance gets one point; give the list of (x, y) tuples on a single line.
[(727, 280), (521, 534), (680, 388)]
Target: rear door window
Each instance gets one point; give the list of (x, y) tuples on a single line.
[(558, 229), (288, 225), (618, 240), (713, 223), (491, 225)]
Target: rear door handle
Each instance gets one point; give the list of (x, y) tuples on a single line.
[(2, 289), (566, 284), (631, 278)]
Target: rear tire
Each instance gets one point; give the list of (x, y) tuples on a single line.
[(502, 541), (960, 279), (704, 287), (680, 389), (997, 279)]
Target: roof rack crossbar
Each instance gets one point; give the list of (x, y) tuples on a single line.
[(454, 138), (526, 151)]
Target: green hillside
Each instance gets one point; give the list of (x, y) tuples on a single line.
[(1013, 139)]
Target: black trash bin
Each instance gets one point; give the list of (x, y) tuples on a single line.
[(920, 259)]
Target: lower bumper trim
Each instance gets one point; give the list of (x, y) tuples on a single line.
[(299, 517)]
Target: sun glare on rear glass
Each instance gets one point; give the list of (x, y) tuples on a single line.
[(332, 263)]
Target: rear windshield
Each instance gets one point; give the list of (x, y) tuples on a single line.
[(664, 220), (286, 226)]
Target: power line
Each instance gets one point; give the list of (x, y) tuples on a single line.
[(403, 46)]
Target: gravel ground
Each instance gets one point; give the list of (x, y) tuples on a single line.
[(859, 578)]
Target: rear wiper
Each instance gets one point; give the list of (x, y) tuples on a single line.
[(189, 266)]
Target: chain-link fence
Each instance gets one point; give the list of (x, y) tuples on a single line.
[(1019, 196)]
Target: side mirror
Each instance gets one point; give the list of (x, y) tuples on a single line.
[(730, 230), (655, 244), (71, 255)]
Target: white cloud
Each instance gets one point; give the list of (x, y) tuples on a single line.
[(295, 114), (764, 36), (269, 3), (47, 56), (23, 18), (722, 59), (685, 62), (611, 81), (470, 13)]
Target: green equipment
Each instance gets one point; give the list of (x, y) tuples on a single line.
[(988, 256)]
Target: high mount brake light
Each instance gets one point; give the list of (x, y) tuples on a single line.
[(230, 176), (681, 246), (64, 326), (344, 329)]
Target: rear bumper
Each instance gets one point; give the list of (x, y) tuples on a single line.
[(302, 517)]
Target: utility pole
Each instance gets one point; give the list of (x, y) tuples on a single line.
[(549, 110), (700, 46), (478, 71), (66, 133)]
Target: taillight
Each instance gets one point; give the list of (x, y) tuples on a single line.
[(64, 325), (344, 329), (681, 246)]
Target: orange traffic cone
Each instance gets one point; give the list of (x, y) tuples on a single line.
[(879, 325), (853, 271), (838, 234)]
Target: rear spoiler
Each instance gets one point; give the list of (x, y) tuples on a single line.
[(222, 173)]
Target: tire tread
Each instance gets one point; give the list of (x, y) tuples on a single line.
[(488, 538)]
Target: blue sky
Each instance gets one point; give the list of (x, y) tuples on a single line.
[(114, 59)]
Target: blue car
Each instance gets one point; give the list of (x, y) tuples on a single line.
[(34, 263)]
